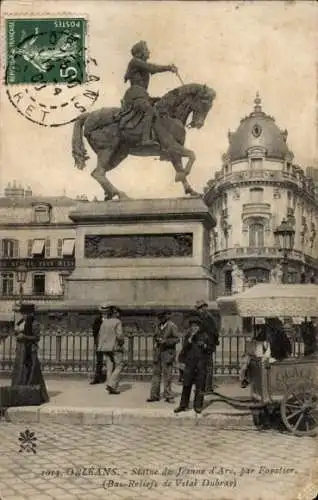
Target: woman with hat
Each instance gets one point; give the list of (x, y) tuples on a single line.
[(27, 368)]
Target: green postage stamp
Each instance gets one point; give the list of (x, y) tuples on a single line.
[(47, 50)]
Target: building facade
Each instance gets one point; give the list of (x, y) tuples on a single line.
[(258, 185), (37, 241)]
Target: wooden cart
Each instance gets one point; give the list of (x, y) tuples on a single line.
[(282, 392), (288, 388)]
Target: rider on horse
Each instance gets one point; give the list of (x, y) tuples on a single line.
[(137, 104)]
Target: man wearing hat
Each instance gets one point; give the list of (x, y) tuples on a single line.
[(210, 328), (194, 355), (111, 344), (164, 355), (98, 377)]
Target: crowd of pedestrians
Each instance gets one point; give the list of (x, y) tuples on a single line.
[(196, 347), (191, 348)]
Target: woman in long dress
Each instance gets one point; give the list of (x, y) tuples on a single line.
[(27, 368)]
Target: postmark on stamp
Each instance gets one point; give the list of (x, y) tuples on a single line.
[(48, 50), (50, 78), (59, 104)]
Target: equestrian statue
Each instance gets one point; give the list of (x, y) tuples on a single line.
[(143, 126)]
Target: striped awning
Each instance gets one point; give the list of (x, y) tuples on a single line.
[(38, 247), (68, 247)]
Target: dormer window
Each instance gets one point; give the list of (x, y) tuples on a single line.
[(42, 213), (256, 195), (256, 163)]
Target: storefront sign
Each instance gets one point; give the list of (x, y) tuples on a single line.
[(34, 263)]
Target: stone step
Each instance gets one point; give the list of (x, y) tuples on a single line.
[(127, 416)]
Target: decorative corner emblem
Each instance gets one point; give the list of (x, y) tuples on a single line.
[(256, 130), (27, 441)]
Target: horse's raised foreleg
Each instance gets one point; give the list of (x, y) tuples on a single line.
[(183, 152), (174, 148), (177, 164)]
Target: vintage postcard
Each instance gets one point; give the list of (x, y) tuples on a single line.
[(159, 250)]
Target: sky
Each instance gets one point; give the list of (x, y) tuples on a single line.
[(237, 48)]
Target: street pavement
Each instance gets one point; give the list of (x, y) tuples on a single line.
[(153, 462), (77, 402)]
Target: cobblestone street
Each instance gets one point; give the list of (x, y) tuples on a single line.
[(155, 462)]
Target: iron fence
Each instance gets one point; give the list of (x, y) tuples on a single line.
[(74, 353)]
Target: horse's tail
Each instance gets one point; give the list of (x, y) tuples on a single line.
[(78, 149)]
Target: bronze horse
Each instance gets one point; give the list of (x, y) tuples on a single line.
[(113, 142)]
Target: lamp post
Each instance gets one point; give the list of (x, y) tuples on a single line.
[(286, 236), (21, 279)]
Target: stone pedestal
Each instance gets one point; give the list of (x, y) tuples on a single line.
[(138, 253)]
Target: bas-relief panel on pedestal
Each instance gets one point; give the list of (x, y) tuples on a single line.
[(138, 245)]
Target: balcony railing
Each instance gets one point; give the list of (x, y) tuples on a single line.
[(245, 252), (74, 353), (258, 175), (256, 209), (43, 298)]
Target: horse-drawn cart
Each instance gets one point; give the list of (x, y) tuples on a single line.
[(284, 392)]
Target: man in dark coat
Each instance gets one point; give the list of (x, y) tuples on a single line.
[(309, 335), (209, 326), (195, 356), (164, 355), (98, 377)]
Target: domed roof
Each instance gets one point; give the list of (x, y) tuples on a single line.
[(258, 130)]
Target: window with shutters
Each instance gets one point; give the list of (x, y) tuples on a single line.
[(47, 249), (30, 245), (59, 247), (7, 284), (10, 248), (38, 283)]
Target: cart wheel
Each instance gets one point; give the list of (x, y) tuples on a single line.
[(299, 410)]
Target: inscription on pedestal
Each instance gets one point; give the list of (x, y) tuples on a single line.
[(138, 245)]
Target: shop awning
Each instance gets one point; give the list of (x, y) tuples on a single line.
[(267, 300), (68, 247), (38, 247)]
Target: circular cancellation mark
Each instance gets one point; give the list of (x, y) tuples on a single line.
[(47, 101)]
